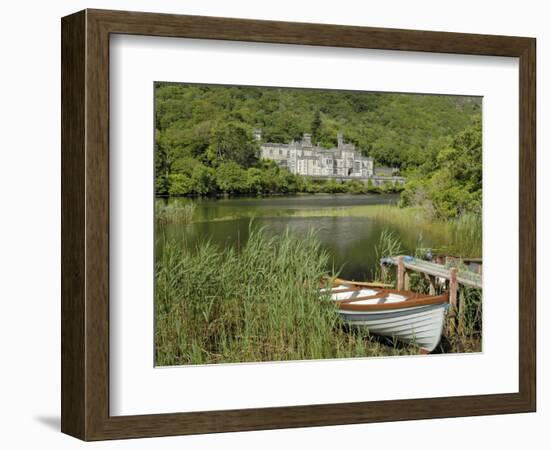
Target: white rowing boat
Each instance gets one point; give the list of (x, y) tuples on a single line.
[(407, 316)]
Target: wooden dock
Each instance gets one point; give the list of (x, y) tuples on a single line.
[(432, 272), (464, 277)]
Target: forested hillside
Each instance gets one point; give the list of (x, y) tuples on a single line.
[(204, 139)]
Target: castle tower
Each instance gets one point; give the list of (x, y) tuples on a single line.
[(340, 138), (257, 134), (306, 140)]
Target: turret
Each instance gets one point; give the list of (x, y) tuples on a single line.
[(257, 134), (340, 138)]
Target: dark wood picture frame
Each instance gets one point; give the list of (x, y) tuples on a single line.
[(85, 224)]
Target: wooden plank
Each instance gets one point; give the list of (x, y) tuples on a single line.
[(73, 226), (465, 278), (527, 264)]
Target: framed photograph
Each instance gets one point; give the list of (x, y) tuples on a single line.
[(273, 225)]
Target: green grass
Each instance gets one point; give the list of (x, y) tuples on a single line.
[(388, 245), (469, 333), (261, 303), (466, 234), (174, 212)]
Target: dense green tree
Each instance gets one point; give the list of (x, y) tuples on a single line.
[(232, 142), (356, 187), (184, 165), (254, 182), (333, 187), (270, 179), (372, 189), (231, 178), (204, 180), (316, 126), (452, 185), (180, 184)]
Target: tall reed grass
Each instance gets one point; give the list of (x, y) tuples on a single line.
[(461, 236), (388, 245), (174, 212), (261, 303), (466, 234)]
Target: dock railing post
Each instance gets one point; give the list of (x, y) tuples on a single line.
[(383, 273), (431, 282), (400, 272), (453, 287), (453, 297)]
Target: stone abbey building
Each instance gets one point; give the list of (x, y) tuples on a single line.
[(304, 158)]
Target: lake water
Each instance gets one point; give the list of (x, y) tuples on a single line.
[(349, 240)]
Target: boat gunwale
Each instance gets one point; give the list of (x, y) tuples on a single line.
[(406, 304), (359, 287)]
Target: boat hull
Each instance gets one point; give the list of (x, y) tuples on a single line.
[(419, 325)]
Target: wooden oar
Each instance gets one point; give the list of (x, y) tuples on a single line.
[(373, 284)]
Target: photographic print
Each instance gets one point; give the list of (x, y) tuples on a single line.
[(298, 224)]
